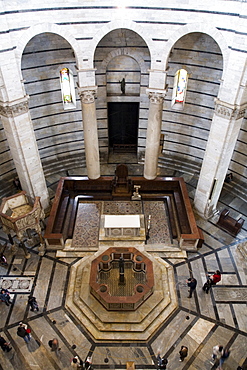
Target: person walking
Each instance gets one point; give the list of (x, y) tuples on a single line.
[(224, 357), (5, 296), (76, 363), (32, 302), (162, 361), (183, 353), (212, 280), (24, 332), (192, 283), (217, 353), (88, 363), (4, 345)]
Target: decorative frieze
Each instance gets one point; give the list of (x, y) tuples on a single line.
[(240, 112), (13, 110), (87, 95), (229, 111)]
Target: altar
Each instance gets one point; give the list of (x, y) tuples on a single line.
[(122, 227)]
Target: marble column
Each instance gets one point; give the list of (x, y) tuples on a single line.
[(22, 143), (87, 96), (153, 133), (222, 139)]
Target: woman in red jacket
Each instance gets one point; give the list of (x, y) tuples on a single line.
[(212, 280)]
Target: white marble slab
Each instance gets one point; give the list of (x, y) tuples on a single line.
[(112, 221)]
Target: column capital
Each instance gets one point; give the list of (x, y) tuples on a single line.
[(156, 96), (14, 108), (229, 111), (87, 94)]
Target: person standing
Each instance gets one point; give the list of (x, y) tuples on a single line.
[(54, 344), (192, 283), (183, 353), (4, 345), (24, 332), (212, 280)]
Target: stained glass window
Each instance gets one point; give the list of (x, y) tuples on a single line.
[(67, 88), (179, 89)]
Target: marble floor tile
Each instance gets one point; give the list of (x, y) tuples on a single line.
[(200, 322)]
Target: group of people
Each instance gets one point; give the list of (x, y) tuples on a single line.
[(219, 353), (219, 356), (24, 332), (79, 364), (162, 361), (211, 280), (5, 297)]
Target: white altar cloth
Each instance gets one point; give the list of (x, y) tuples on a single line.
[(122, 221)]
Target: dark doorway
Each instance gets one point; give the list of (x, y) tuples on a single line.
[(123, 125)]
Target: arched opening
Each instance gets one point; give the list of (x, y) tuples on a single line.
[(122, 60)]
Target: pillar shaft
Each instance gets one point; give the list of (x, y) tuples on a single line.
[(90, 131), (22, 143), (221, 143), (153, 134)]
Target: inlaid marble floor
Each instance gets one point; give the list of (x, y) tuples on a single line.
[(201, 322)]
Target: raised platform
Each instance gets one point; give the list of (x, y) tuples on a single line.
[(136, 325), (170, 191)]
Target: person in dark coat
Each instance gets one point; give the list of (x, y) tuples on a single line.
[(183, 353), (212, 280), (5, 297), (191, 282), (4, 345), (162, 362), (54, 344), (32, 302), (224, 357), (24, 332)]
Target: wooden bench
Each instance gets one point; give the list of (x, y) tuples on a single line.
[(229, 224)]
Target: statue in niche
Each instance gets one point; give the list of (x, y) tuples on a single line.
[(121, 270), (122, 86)]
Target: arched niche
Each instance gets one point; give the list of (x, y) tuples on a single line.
[(58, 131), (123, 76)]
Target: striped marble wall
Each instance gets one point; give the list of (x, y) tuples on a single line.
[(186, 131), (58, 132)]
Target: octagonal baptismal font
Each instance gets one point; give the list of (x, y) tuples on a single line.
[(121, 293), (121, 278)]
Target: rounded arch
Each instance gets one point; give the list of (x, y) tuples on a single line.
[(123, 51), (51, 28), (111, 26), (197, 27)]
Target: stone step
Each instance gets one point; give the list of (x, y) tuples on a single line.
[(165, 251), (127, 325), (175, 255)]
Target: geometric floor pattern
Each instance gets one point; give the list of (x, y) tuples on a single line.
[(201, 322)]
